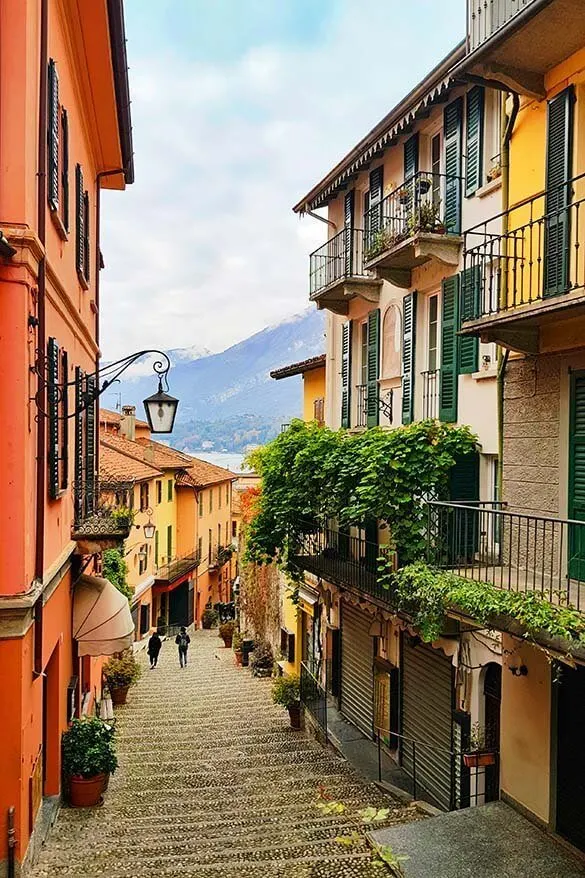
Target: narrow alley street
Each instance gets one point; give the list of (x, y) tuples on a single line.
[(213, 782)]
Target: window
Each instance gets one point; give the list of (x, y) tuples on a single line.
[(219, 497), (142, 559), (169, 542), (227, 532), (58, 423), (234, 529), (433, 333), (82, 228), (200, 501), (218, 535), (144, 496), (227, 495), (53, 136), (65, 169), (156, 548), (209, 548), (200, 548), (85, 498), (211, 499), (436, 168), (159, 492), (364, 353), (474, 118), (170, 490)]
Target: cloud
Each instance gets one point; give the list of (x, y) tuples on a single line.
[(204, 249)]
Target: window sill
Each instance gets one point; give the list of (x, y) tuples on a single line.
[(58, 223), (490, 187), (485, 373), (82, 280)]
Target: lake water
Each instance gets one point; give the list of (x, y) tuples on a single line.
[(229, 459)]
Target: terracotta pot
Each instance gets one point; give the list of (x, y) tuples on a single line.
[(86, 792), (294, 712), (119, 695), (106, 781), (227, 642), (239, 656), (474, 760)]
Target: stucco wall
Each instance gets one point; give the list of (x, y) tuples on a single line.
[(313, 389)]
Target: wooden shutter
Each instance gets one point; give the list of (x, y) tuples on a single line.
[(53, 137), (156, 548), (53, 419), (408, 355), (474, 135), (558, 196), (86, 246), (375, 200), (89, 462), (348, 232), (373, 368), (65, 169), (79, 442), (452, 125), (79, 221), (411, 157), (468, 346), (64, 449), (449, 339), (346, 374)]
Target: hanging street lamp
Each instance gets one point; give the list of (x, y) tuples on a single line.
[(160, 411), (149, 530)]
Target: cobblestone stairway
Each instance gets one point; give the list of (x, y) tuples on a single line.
[(213, 782)]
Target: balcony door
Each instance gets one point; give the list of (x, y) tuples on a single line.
[(557, 225), (577, 477)]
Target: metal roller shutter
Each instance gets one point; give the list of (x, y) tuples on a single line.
[(357, 675), (427, 718)]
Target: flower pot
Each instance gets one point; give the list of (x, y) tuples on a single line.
[(86, 792), (294, 712), (120, 694), (262, 672), (424, 186), (106, 781), (227, 641), (404, 198), (478, 758), (239, 656)]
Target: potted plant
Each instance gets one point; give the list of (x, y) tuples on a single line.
[(478, 753), (423, 186), (237, 645), (123, 517), (89, 757), (495, 171), (226, 632), (121, 672), (262, 660), (287, 691), (209, 618), (404, 195)]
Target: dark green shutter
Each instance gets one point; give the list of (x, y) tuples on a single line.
[(373, 368), (558, 196), (64, 451), (86, 246), (170, 542), (577, 477), (65, 169), (53, 419), (375, 200), (449, 339), (156, 548), (79, 442), (89, 462), (474, 135), (348, 232), (453, 125), (79, 221), (346, 374), (53, 137), (469, 345), (463, 525), (411, 157), (408, 356)]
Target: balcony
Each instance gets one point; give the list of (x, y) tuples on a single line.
[(515, 42), (411, 226), (220, 556), (430, 393), (101, 517), (361, 413), (345, 560), (178, 568), (512, 551), (379, 405), (529, 277), (337, 274)]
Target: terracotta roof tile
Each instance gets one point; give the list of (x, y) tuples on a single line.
[(299, 368), (202, 473), (117, 465), (108, 417), (163, 455)]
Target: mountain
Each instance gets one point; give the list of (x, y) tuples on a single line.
[(228, 401)]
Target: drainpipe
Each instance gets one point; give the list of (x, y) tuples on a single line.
[(11, 843), (321, 219), (503, 356)]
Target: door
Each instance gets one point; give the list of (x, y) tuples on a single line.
[(427, 719), (178, 605), (357, 676), (577, 477), (571, 756), (557, 229), (463, 524), (492, 693)]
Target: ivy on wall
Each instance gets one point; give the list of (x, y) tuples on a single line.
[(115, 569)]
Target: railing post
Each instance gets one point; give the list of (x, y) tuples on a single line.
[(379, 759), (414, 790)]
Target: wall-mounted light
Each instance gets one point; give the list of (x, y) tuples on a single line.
[(518, 670)]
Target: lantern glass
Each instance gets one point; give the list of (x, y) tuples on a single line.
[(161, 410), (149, 530)]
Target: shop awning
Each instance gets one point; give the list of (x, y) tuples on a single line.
[(102, 622)]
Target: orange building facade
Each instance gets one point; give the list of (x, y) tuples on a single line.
[(65, 133)]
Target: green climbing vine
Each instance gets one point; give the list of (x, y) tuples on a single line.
[(311, 473), (115, 569)]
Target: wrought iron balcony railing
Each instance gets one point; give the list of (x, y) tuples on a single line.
[(540, 256), (361, 414), (102, 509), (177, 567), (383, 403), (485, 17), (513, 551), (339, 259), (417, 207), (431, 385)]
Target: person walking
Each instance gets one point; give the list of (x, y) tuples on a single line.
[(153, 649), (183, 640)]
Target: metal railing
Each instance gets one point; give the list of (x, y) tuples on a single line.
[(314, 698), (431, 384), (540, 256), (339, 557), (361, 414), (340, 258), (177, 567), (319, 411), (416, 207), (95, 502), (510, 550), (485, 17)]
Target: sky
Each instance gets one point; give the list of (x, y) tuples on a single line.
[(239, 107)]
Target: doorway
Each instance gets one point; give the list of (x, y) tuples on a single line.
[(492, 693), (570, 782)]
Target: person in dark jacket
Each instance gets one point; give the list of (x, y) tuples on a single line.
[(154, 645), (183, 640)]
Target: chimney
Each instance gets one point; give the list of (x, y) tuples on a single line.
[(128, 422)]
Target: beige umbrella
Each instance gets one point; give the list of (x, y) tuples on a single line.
[(102, 621)]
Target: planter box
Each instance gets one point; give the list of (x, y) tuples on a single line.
[(479, 758)]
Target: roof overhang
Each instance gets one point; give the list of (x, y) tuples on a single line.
[(299, 368)]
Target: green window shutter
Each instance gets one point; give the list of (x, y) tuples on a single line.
[(408, 355), (53, 136), (53, 419), (170, 489), (375, 200), (156, 548), (169, 541), (346, 374), (449, 372), (89, 463), (453, 117), (411, 157), (86, 244), (65, 169), (559, 149), (373, 368), (64, 451), (468, 346), (348, 233), (474, 134), (79, 221)]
